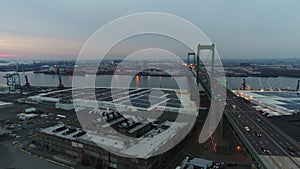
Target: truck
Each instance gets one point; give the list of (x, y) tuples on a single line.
[(23, 116), (30, 110), (61, 116)]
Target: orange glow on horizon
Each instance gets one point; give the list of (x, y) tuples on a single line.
[(8, 55)]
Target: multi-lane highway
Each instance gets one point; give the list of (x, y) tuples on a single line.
[(270, 146), (273, 147)]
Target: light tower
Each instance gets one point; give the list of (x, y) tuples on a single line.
[(60, 85), (27, 84), (244, 84)]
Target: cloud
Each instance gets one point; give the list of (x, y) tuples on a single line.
[(33, 46), (229, 24)]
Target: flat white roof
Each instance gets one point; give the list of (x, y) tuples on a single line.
[(4, 104), (143, 148), (151, 141), (278, 101)]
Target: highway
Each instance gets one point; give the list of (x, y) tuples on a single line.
[(274, 148)]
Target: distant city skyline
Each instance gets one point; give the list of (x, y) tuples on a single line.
[(58, 29)]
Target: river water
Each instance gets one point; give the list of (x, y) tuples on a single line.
[(36, 79)]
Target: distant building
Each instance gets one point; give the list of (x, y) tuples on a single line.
[(245, 64)]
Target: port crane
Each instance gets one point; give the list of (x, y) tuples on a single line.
[(13, 79)]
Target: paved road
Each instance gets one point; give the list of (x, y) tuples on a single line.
[(12, 157), (267, 141)]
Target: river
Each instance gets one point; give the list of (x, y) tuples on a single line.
[(36, 79)]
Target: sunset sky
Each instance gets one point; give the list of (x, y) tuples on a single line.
[(59, 28)]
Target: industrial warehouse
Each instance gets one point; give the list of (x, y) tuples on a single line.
[(136, 98), (272, 103), (146, 131)]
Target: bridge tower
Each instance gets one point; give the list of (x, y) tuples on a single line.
[(205, 47), (193, 54), (221, 143)]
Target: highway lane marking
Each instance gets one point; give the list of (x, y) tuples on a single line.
[(286, 153), (280, 164)]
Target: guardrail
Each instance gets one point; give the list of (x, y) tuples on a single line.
[(250, 151)]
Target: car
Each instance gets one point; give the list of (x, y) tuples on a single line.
[(15, 142), (258, 120), (265, 151), (258, 134), (247, 128), (292, 149), (13, 135)]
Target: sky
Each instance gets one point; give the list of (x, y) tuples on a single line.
[(57, 29)]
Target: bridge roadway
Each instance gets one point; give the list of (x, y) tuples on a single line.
[(262, 138), (268, 145)]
